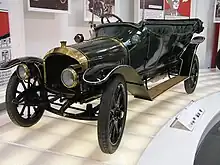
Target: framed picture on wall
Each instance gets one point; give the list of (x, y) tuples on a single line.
[(153, 9), (98, 8), (53, 6), (177, 9), (217, 11), (5, 43)]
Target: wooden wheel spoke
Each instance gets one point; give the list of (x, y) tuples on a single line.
[(22, 111), (35, 109), (29, 112), (20, 101), (23, 85), (121, 107), (115, 132), (20, 98), (111, 127), (116, 126), (29, 83), (35, 81), (119, 99), (112, 111), (112, 132)]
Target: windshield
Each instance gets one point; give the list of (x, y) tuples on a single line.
[(121, 32)]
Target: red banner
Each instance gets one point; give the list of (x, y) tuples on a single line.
[(4, 30), (178, 7)]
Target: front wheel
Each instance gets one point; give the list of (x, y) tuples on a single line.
[(21, 99), (191, 83), (112, 115)]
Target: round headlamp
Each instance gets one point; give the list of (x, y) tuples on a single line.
[(69, 78), (23, 72)]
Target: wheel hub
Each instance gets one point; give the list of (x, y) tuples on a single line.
[(31, 96)]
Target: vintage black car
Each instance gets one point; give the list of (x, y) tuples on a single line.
[(120, 57)]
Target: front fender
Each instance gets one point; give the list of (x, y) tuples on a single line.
[(100, 74), (17, 61), (35, 64)]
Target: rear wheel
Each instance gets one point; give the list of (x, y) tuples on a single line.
[(20, 98), (191, 83), (112, 115)]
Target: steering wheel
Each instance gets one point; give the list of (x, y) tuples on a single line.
[(107, 16)]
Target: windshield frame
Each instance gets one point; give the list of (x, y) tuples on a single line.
[(132, 26)]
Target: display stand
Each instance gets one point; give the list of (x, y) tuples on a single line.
[(179, 145)]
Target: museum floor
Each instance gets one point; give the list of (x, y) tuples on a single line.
[(59, 141)]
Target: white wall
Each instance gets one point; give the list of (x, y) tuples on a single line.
[(205, 11), (44, 30), (17, 27)]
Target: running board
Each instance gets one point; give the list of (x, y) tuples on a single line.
[(140, 91)]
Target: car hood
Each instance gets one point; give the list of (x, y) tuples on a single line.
[(103, 50)]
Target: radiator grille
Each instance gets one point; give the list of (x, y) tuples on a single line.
[(54, 65)]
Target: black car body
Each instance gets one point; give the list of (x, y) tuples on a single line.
[(120, 56)]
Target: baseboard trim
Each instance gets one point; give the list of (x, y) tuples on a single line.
[(2, 106)]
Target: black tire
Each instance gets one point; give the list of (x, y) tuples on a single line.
[(115, 88), (191, 83), (218, 60), (12, 108)]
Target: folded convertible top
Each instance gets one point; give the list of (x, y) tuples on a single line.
[(195, 24)]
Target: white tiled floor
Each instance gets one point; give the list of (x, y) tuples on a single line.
[(59, 141)]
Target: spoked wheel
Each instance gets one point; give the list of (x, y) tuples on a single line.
[(191, 83), (112, 115), (22, 101)]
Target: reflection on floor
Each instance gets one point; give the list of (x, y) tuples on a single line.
[(59, 141)]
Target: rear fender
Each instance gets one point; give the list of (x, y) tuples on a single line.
[(35, 63), (100, 74), (188, 55), (197, 40)]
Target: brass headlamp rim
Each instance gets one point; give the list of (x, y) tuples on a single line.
[(75, 77), (27, 71)]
